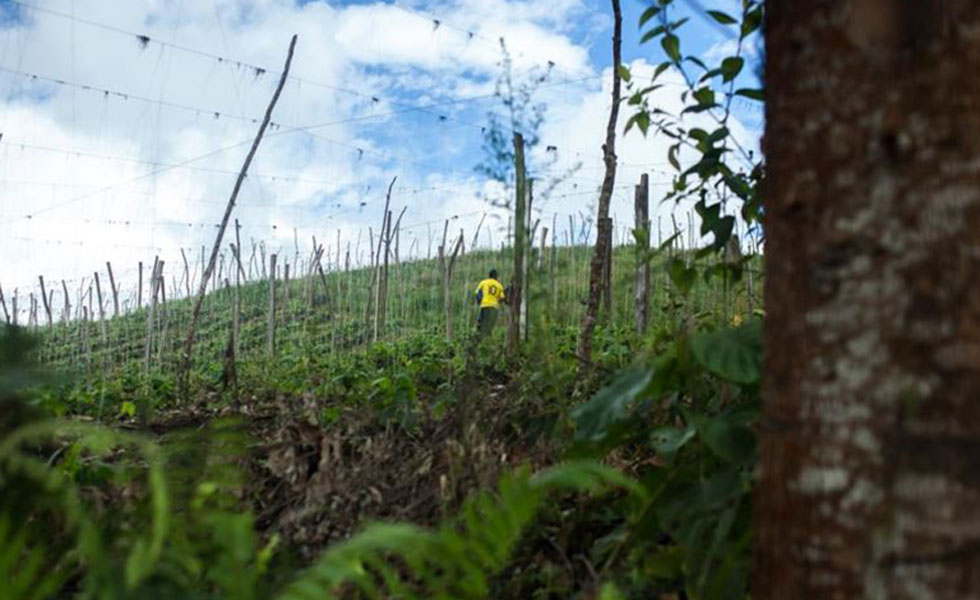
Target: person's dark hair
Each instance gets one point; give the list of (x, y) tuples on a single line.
[(493, 273)]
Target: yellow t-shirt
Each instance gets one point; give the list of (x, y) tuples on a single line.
[(490, 292)]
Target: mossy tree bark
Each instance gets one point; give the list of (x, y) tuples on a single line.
[(870, 455)]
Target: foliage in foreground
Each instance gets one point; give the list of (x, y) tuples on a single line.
[(683, 523)]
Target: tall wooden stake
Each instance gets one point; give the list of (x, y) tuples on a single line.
[(642, 287), (115, 290), (3, 303), (102, 323), (520, 233), (185, 364), (67, 314), (270, 333), (44, 298)]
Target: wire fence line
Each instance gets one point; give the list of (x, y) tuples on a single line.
[(326, 305)]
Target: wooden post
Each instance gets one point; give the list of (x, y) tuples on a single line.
[(44, 298), (102, 323), (87, 347), (476, 236), (163, 313), (139, 289), (13, 305), (185, 364), (383, 296), (115, 290), (150, 313), (236, 318), (238, 259), (520, 233), (642, 224), (3, 302), (447, 277), (285, 290), (376, 260), (187, 273), (262, 259), (544, 248), (67, 313), (270, 336)]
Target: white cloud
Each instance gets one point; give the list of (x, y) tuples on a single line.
[(316, 183)]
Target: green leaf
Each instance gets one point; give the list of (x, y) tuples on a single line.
[(721, 17), (643, 121), (667, 441), (718, 134), (754, 94), (128, 409), (597, 419), (697, 61), (656, 31), (731, 67), (698, 134), (611, 592), (731, 442), (682, 276), (624, 72), (648, 14), (753, 19), (734, 354), (672, 46), (672, 156), (667, 563), (705, 96), (661, 68), (709, 74)]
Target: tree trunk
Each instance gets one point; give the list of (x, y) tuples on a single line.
[(605, 197), (870, 456)]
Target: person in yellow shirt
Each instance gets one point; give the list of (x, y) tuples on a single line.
[(489, 294)]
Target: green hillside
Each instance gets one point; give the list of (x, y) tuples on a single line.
[(323, 321)]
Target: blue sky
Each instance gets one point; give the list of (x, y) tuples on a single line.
[(117, 150)]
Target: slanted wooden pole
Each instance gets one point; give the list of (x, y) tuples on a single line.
[(44, 298), (150, 315), (187, 273), (67, 313), (238, 257), (102, 323), (115, 290), (3, 303), (182, 372), (139, 289), (476, 236)]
